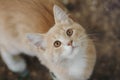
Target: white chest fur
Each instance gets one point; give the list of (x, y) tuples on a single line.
[(77, 66), (74, 66)]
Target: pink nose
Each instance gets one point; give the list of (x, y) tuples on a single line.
[(70, 43)]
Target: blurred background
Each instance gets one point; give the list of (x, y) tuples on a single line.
[(101, 19)]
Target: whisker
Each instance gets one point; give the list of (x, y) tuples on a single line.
[(92, 34), (94, 41), (83, 37), (88, 36)]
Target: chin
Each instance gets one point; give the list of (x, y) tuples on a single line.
[(72, 54)]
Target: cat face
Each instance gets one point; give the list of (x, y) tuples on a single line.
[(63, 40)]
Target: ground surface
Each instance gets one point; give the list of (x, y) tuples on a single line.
[(101, 19)]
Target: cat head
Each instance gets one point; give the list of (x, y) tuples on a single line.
[(63, 40)]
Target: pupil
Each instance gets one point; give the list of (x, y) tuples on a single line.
[(69, 32), (57, 43)]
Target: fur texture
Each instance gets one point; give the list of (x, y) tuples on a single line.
[(75, 57), (17, 18), (70, 60)]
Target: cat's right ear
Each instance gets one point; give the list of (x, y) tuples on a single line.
[(37, 39)]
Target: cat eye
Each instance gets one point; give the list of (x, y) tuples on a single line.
[(57, 43), (69, 32)]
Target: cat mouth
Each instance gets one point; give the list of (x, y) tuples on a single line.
[(73, 49), (72, 53)]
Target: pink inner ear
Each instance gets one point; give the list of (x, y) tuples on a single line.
[(40, 45), (37, 44), (37, 40)]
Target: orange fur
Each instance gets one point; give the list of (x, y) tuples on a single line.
[(18, 17)]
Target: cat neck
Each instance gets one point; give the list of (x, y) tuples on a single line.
[(74, 67)]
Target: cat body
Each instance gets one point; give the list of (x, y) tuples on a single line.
[(39, 29), (18, 17)]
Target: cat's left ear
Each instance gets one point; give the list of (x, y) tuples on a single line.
[(37, 39), (60, 15)]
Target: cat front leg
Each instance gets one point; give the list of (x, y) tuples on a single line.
[(14, 62)]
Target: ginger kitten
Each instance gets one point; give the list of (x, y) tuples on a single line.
[(64, 48)]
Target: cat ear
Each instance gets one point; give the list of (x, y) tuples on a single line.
[(59, 14), (37, 39)]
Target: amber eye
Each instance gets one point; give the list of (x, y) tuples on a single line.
[(57, 43), (69, 32)]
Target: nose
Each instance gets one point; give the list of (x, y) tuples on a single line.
[(70, 43)]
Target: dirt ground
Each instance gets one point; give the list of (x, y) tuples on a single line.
[(101, 19)]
